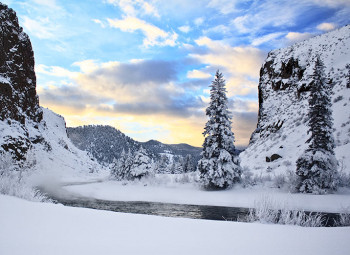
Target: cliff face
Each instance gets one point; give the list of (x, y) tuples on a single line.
[(19, 101), (17, 78), (24, 125), (284, 89)]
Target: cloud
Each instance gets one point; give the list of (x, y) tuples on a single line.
[(136, 7), (266, 38), (243, 123), (97, 21), (142, 92), (154, 35), (219, 29), (240, 65), (264, 14), (185, 29), (141, 87), (297, 37), (224, 6), (198, 21), (71, 97), (56, 71), (237, 60), (326, 26), (197, 74), (331, 3), (136, 73), (41, 27), (51, 4)]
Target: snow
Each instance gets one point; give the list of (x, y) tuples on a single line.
[(191, 194), (4, 80), (285, 105), (38, 228), (64, 161)]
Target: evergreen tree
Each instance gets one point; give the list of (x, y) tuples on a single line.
[(317, 166), (163, 163), (141, 165), (176, 168), (121, 167), (219, 166), (187, 164)]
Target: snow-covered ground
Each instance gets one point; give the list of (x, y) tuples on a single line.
[(172, 192), (39, 228)]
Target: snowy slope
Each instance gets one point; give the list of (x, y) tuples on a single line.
[(55, 229), (56, 156), (283, 103)]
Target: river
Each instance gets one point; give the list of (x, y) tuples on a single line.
[(206, 212)]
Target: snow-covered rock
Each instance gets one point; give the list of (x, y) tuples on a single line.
[(284, 89), (28, 131)]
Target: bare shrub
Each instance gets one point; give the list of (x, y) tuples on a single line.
[(13, 177), (265, 212), (344, 220), (279, 181)]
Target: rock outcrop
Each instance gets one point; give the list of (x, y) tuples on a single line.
[(18, 98), (284, 89), (17, 77)]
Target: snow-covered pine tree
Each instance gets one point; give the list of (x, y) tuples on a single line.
[(117, 165), (219, 166), (317, 166), (114, 167), (162, 165), (121, 167), (142, 165), (187, 164)]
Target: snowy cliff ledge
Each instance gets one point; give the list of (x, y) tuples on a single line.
[(284, 89)]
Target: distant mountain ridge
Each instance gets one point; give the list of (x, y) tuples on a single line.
[(107, 143)]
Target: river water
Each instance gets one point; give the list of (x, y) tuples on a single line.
[(206, 212)]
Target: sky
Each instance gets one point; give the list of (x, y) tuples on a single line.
[(145, 67)]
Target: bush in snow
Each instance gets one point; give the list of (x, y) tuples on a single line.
[(264, 211), (344, 220), (13, 177), (219, 166), (317, 166)]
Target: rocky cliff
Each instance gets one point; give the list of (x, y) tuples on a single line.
[(24, 125), (17, 78), (284, 89), (19, 101)]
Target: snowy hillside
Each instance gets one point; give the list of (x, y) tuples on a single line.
[(284, 89), (106, 143), (57, 156)]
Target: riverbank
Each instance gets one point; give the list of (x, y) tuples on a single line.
[(44, 228), (190, 193)]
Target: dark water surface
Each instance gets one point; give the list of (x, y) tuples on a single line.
[(206, 212)]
